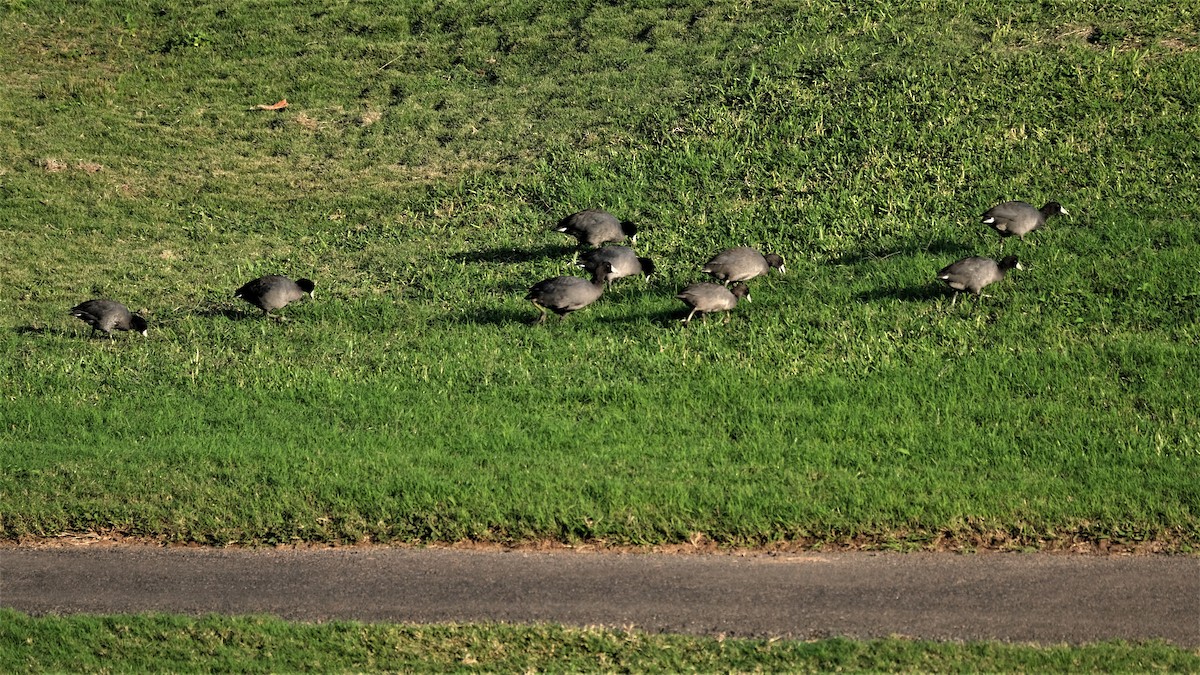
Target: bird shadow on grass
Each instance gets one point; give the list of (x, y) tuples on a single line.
[(663, 318), (495, 316), (513, 254), (919, 293), (43, 330), (231, 313), (933, 247), (82, 332), (514, 287)]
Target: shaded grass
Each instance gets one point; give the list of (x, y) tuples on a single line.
[(426, 152), (162, 642)]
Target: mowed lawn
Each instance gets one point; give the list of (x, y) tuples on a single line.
[(158, 643), (427, 149)]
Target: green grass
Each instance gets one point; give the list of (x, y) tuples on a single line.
[(252, 644), (425, 153)]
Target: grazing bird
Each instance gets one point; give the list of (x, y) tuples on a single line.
[(706, 297), (108, 315), (974, 273), (563, 295), (595, 227), (741, 264), (622, 259), (274, 292), (1019, 218)]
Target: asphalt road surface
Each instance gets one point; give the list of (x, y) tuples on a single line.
[(1042, 598)]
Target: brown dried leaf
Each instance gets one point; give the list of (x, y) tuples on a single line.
[(274, 106)]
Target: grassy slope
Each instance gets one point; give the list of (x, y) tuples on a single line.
[(426, 151), (259, 644)]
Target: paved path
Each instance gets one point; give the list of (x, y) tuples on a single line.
[(1011, 597)]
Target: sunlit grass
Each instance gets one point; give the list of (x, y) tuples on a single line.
[(251, 644), (414, 176)]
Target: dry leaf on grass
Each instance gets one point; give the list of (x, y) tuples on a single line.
[(274, 106)]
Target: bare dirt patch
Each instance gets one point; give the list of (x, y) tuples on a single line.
[(308, 122), (1179, 45), (52, 165), (55, 165)]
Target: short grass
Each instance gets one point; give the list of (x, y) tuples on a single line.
[(426, 151), (159, 643)]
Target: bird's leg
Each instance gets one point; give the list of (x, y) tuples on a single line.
[(688, 318)]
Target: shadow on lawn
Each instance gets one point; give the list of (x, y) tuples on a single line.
[(507, 316), (495, 316), (226, 311), (83, 332), (938, 247), (45, 330), (514, 254), (920, 293), (674, 318)]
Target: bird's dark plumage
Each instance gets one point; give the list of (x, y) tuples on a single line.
[(741, 264), (563, 295), (706, 297), (1019, 218), (274, 292), (108, 315), (595, 227), (624, 261), (975, 273)]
